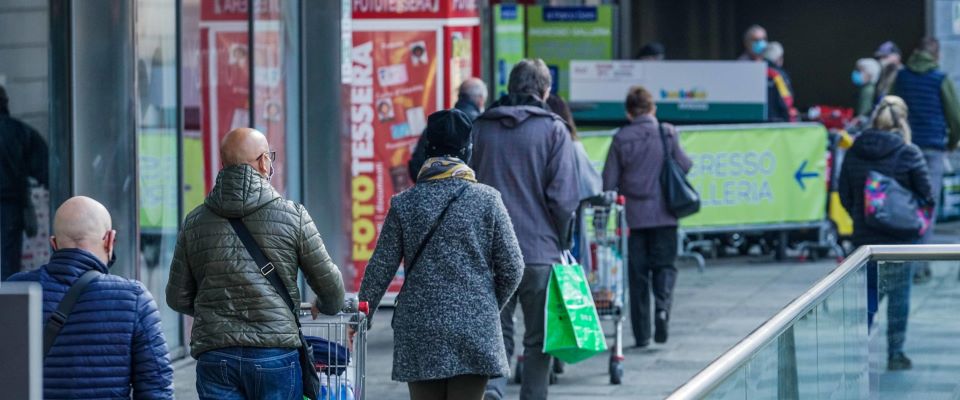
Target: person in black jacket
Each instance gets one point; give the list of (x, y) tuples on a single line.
[(471, 100), (886, 148), (22, 156)]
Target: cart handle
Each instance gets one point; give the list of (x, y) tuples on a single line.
[(350, 305)]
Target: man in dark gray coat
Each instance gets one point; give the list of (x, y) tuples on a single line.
[(524, 151)]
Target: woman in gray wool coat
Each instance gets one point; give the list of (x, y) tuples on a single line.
[(447, 337)]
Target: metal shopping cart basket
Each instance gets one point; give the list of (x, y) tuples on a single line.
[(602, 246), (340, 361)]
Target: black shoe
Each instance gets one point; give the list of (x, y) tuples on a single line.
[(557, 366), (660, 335), (642, 344), (898, 362), (922, 275)]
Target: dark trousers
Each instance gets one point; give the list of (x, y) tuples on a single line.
[(532, 296), (11, 237), (455, 388), (249, 373), (651, 255)]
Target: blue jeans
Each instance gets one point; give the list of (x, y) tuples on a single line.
[(249, 373), (894, 281)]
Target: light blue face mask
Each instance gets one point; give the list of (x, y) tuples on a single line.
[(857, 78), (759, 46)]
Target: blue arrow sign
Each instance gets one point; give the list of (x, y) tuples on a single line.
[(801, 175)]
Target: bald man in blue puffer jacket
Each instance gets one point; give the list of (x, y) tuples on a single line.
[(112, 344)]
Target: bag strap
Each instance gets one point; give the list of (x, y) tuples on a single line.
[(667, 154), (59, 317), (426, 239), (263, 264)]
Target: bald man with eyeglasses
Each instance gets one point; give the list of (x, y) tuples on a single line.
[(245, 334)]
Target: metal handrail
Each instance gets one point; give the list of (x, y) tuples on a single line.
[(724, 366)]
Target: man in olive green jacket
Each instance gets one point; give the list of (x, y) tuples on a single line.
[(244, 336)]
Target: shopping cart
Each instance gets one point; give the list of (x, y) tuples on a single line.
[(603, 231), (340, 359)]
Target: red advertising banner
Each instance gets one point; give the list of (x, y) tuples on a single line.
[(369, 9), (394, 89)]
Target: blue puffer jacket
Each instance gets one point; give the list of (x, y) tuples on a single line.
[(112, 342)]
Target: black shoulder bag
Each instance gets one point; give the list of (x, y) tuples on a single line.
[(59, 317), (681, 198), (308, 371)]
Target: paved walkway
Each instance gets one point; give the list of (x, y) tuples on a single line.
[(713, 310)]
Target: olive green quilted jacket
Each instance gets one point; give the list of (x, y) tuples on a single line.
[(214, 279)]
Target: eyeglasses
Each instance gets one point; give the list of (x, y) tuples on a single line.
[(272, 155)]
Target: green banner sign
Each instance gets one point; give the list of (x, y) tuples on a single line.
[(750, 175), (508, 43), (560, 34)]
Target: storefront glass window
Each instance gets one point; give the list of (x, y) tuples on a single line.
[(25, 134), (276, 85), (157, 138)]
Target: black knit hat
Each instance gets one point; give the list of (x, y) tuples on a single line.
[(448, 134)]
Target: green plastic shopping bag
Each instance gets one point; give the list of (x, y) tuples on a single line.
[(572, 326)]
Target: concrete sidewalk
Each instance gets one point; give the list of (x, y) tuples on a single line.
[(713, 311)]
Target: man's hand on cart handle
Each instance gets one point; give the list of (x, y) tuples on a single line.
[(314, 310)]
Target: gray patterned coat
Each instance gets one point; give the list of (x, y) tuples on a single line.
[(447, 320)]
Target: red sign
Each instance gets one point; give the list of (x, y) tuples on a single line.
[(393, 91), (365, 9)]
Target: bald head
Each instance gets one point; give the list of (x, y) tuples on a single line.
[(83, 223), (476, 90), (243, 146)]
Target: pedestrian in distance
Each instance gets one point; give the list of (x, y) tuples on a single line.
[(754, 43), (865, 76), (888, 55), (110, 344), (934, 117), (590, 181), (23, 156), (591, 184), (461, 264), (524, 151), (471, 99), (245, 336), (886, 148), (779, 86), (633, 168), (653, 51)]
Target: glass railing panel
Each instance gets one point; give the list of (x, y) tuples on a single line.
[(856, 369), (734, 387), (842, 339), (762, 373), (923, 321), (830, 345), (805, 339)]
